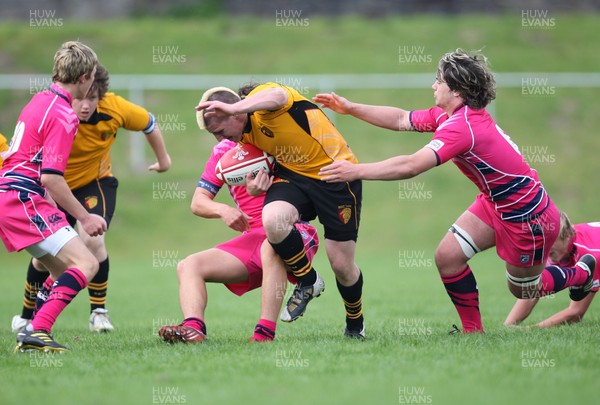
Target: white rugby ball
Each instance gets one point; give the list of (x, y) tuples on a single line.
[(236, 163)]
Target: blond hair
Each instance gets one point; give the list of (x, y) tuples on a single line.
[(72, 60), (567, 230)]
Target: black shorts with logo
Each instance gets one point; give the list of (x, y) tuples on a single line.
[(98, 197), (337, 205)]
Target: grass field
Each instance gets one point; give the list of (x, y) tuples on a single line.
[(408, 356)]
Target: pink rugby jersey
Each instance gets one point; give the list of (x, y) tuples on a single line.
[(487, 156), (586, 240), (41, 143), (209, 181)]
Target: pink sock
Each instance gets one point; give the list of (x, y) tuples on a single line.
[(555, 278), (462, 289), (66, 288), (195, 323), (264, 331)]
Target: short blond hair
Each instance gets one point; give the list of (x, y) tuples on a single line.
[(567, 230), (72, 60)]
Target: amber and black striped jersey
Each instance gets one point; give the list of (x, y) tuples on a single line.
[(299, 134), (3, 147), (90, 155)]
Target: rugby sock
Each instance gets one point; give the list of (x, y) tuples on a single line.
[(555, 278), (33, 284), (65, 289), (462, 290), (291, 251), (98, 286), (264, 331), (352, 297), (195, 323), (42, 295)]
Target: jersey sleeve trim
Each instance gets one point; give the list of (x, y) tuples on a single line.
[(52, 171), (151, 124), (208, 186)]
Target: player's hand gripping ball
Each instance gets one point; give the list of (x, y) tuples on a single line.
[(236, 163)]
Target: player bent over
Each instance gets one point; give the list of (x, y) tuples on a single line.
[(283, 123), (89, 176), (32, 176), (238, 263), (574, 242), (512, 211)]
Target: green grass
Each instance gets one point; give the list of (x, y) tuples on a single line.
[(131, 365)]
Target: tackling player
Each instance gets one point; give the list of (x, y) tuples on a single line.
[(574, 241), (89, 176), (283, 123), (238, 263), (512, 212), (31, 179)]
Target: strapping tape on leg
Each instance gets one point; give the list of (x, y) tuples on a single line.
[(465, 241), (524, 282)]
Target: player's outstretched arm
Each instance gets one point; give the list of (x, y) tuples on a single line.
[(396, 168), (157, 143), (392, 118), (572, 314), (204, 206)]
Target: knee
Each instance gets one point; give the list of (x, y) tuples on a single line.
[(442, 259), (181, 268)]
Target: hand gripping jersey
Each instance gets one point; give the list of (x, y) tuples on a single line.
[(90, 155), (299, 134)]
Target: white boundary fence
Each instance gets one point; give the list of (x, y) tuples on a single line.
[(137, 84)]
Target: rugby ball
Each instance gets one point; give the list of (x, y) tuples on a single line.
[(236, 163)]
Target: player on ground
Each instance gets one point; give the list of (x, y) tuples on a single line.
[(280, 121), (31, 179), (239, 262), (512, 212), (89, 176), (574, 241)]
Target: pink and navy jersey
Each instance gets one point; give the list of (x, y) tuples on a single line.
[(209, 181), (488, 157), (41, 143)]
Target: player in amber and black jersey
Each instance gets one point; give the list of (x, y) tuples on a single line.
[(282, 122), (90, 178)]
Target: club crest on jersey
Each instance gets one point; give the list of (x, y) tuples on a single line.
[(344, 213), (280, 180), (91, 202), (267, 132), (54, 218)]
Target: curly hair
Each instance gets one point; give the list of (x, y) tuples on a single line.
[(100, 82), (469, 75), (246, 89)]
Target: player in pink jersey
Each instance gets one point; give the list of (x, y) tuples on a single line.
[(238, 263), (31, 179), (574, 241), (512, 211)]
